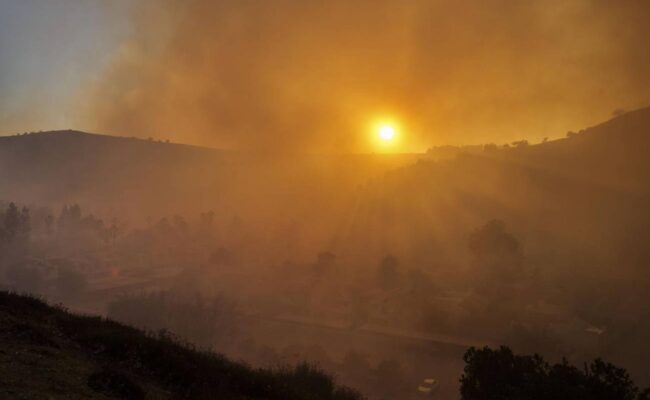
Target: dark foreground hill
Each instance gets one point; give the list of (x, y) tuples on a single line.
[(48, 353)]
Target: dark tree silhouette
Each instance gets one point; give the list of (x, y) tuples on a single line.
[(15, 229), (206, 225), (500, 374), (495, 250), (49, 224), (24, 224), (12, 222)]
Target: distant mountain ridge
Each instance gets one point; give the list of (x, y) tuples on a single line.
[(71, 166), (71, 135), (148, 178), (137, 177)]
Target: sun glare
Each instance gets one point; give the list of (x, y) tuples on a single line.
[(386, 133)]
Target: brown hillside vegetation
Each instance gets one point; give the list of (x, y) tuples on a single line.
[(48, 353)]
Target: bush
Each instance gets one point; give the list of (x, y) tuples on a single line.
[(501, 374)]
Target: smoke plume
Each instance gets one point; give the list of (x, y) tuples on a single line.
[(310, 75)]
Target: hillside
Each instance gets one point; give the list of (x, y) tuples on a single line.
[(578, 208), (145, 178), (46, 353), (135, 179), (613, 153), (379, 241), (585, 193), (108, 172)]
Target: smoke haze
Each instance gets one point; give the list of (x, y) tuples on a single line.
[(311, 75), (367, 186)]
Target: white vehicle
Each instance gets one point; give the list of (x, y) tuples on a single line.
[(428, 387)]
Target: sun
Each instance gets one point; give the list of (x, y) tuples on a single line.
[(386, 132)]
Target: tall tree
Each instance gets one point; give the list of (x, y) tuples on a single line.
[(24, 225), (11, 222), (494, 247)]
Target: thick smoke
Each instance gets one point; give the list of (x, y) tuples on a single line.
[(310, 75)]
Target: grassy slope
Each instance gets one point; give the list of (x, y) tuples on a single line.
[(48, 353)]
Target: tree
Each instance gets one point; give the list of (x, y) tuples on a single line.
[(180, 226), (113, 232), (500, 374), (62, 221), (495, 250), (75, 214), (388, 273), (24, 225), (12, 222), (49, 224), (69, 219), (206, 225)]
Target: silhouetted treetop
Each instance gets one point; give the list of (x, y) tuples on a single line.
[(500, 374)]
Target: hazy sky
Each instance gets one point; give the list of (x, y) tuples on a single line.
[(314, 75), (48, 50)]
